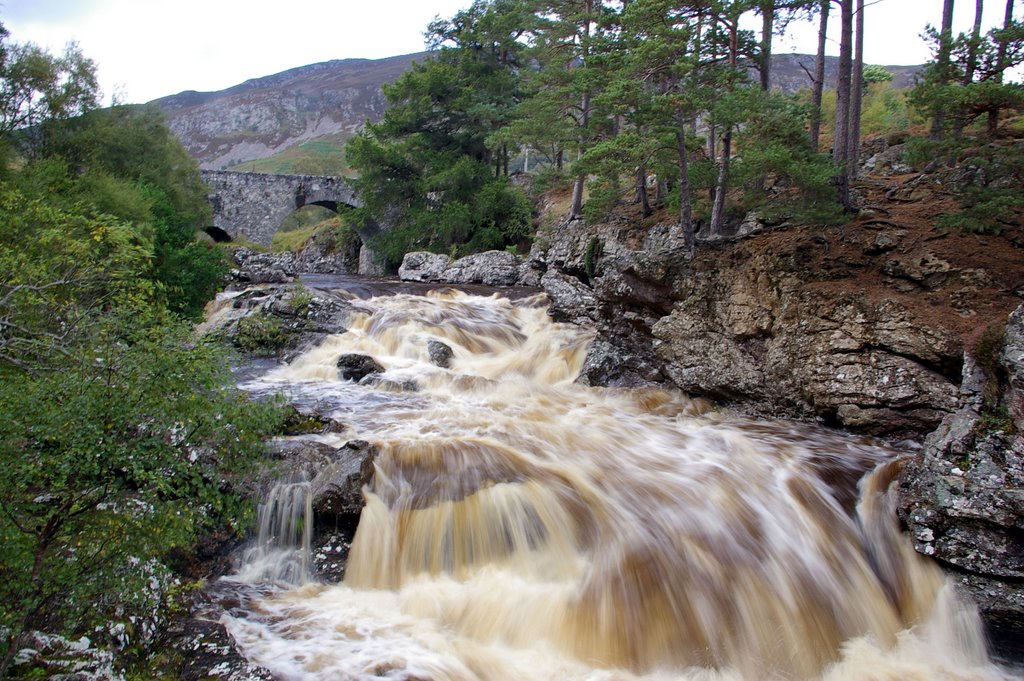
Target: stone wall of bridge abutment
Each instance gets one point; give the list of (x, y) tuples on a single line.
[(252, 206)]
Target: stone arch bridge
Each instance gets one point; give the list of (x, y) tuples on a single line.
[(251, 206)]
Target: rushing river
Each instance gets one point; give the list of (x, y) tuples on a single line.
[(521, 526)]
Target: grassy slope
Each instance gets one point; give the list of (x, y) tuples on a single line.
[(320, 156)]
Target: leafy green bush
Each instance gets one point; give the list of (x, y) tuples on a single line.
[(260, 333), (123, 454)]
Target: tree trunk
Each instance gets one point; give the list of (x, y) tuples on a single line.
[(972, 63), (972, 48), (840, 143), (685, 199), (819, 76), (993, 114), (942, 67), (641, 192), (712, 133), (718, 209), (856, 96), (722, 185), (767, 24), (577, 190)]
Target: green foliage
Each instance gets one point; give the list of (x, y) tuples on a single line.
[(987, 211), (973, 83), (782, 176), (992, 197), (135, 168), (118, 434), (338, 236), (873, 73), (107, 464), (38, 89), (301, 298), (59, 267), (123, 164), (260, 334), (431, 167), (884, 110)]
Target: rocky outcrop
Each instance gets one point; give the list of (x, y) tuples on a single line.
[(277, 321), (760, 335), (862, 328), (336, 478), (317, 257), (962, 497), (260, 117), (257, 267), (490, 268)]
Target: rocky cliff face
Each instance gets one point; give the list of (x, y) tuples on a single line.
[(862, 328), (963, 495)]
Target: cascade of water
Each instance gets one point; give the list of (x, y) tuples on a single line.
[(519, 526), (282, 551)]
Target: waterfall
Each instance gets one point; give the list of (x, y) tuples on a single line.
[(521, 526), (282, 550)]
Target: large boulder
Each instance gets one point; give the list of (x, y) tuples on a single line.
[(491, 268), (571, 299), (325, 255), (257, 267), (440, 353), (276, 320), (423, 266)]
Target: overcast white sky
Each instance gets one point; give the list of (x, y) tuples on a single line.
[(150, 48)]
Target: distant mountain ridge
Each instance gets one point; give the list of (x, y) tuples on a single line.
[(297, 121)]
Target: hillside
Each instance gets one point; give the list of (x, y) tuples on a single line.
[(297, 121), (263, 117)]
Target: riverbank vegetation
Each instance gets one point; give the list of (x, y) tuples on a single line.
[(119, 433), (666, 105)]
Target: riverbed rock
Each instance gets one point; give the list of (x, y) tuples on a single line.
[(571, 299), (276, 320), (354, 367), (257, 267), (423, 266), (491, 268), (325, 256), (861, 363), (440, 353)]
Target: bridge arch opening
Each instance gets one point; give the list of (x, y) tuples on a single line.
[(218, 234), (322, 228)]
